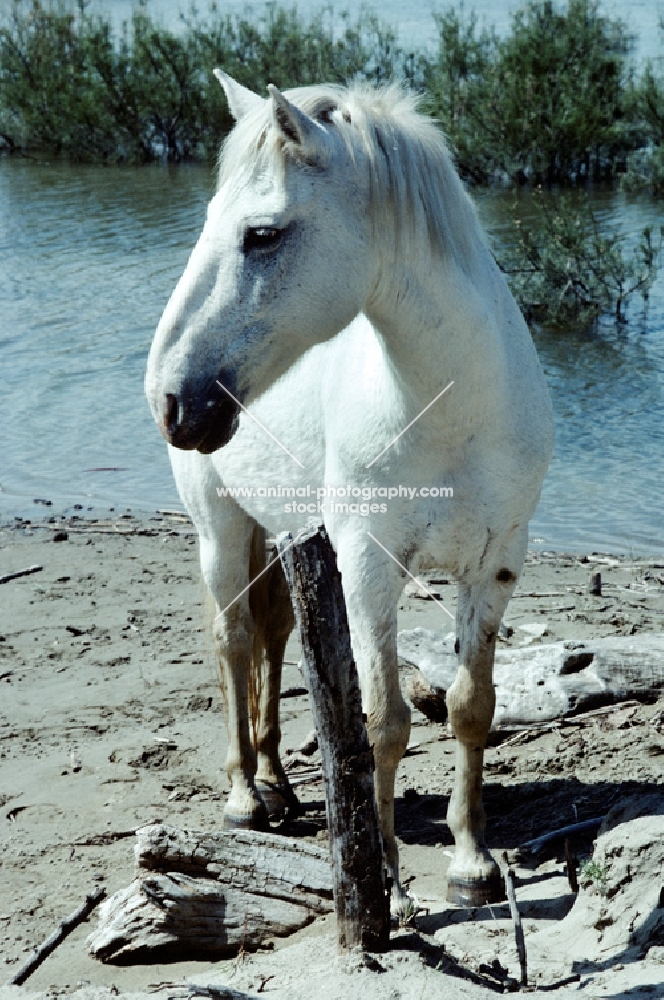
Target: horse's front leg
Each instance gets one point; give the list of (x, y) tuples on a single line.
[(226, 572), (473, 876), (372, 585), (244, 807)]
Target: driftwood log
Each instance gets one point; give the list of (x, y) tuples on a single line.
[(360, 897), (208, 895), (537, 684)]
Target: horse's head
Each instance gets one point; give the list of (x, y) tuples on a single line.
[(284, 262)]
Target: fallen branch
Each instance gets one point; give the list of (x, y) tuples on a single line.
[(538, 684), (306, 779), (188, 991), (541, 593), (63, 930), (537, 845), (525, 735), (20, 572), (533, 732), (577, 720)]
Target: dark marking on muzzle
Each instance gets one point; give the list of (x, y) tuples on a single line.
[(201, 420), (224, 413)]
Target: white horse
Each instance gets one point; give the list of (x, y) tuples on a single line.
[(341, 282)]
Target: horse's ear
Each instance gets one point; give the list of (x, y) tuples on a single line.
[(295, 126), (240, 100)]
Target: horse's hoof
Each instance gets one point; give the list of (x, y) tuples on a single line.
[(278, 798), (476, 891), (255, 819)]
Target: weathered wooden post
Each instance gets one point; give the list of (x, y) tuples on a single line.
[(360, 897)]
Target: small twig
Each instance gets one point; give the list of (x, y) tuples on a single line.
[(574, 720), (65, 928), (570, 862), (543, 593), (307, 779), (110, 836), (176, 513), (20, 572), (531, 733), (102, 839), (508, 875)]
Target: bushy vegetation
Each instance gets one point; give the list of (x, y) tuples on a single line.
[(646, 164), (548, 103), (69, 87), (566, 272), (555, 102)]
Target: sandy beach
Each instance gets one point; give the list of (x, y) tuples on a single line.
[(111, 718)]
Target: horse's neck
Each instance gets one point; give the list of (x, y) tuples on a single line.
[(440, 321)]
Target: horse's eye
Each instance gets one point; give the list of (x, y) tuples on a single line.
[(261, 238)]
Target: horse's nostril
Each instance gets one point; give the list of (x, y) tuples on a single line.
[(171, 414)]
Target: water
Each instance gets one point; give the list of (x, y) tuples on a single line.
[(88, 258), (604, 486), (414, 22)]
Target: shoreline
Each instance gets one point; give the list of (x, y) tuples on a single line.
[(111, 718), (42, 513)]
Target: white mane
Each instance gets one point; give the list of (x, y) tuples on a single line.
[(412, 174)]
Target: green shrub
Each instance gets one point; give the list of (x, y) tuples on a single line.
[(594, 874), (553, 102), (561, 86), (68, 86), (645, 166), (566, 273), (546, 104), (457, 82), (49, 95), (645, 172)]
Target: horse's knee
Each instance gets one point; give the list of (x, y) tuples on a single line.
[(471, 706), (388, 735), (234, 631)]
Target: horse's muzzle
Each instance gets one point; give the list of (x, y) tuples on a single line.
[(191, 425)]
